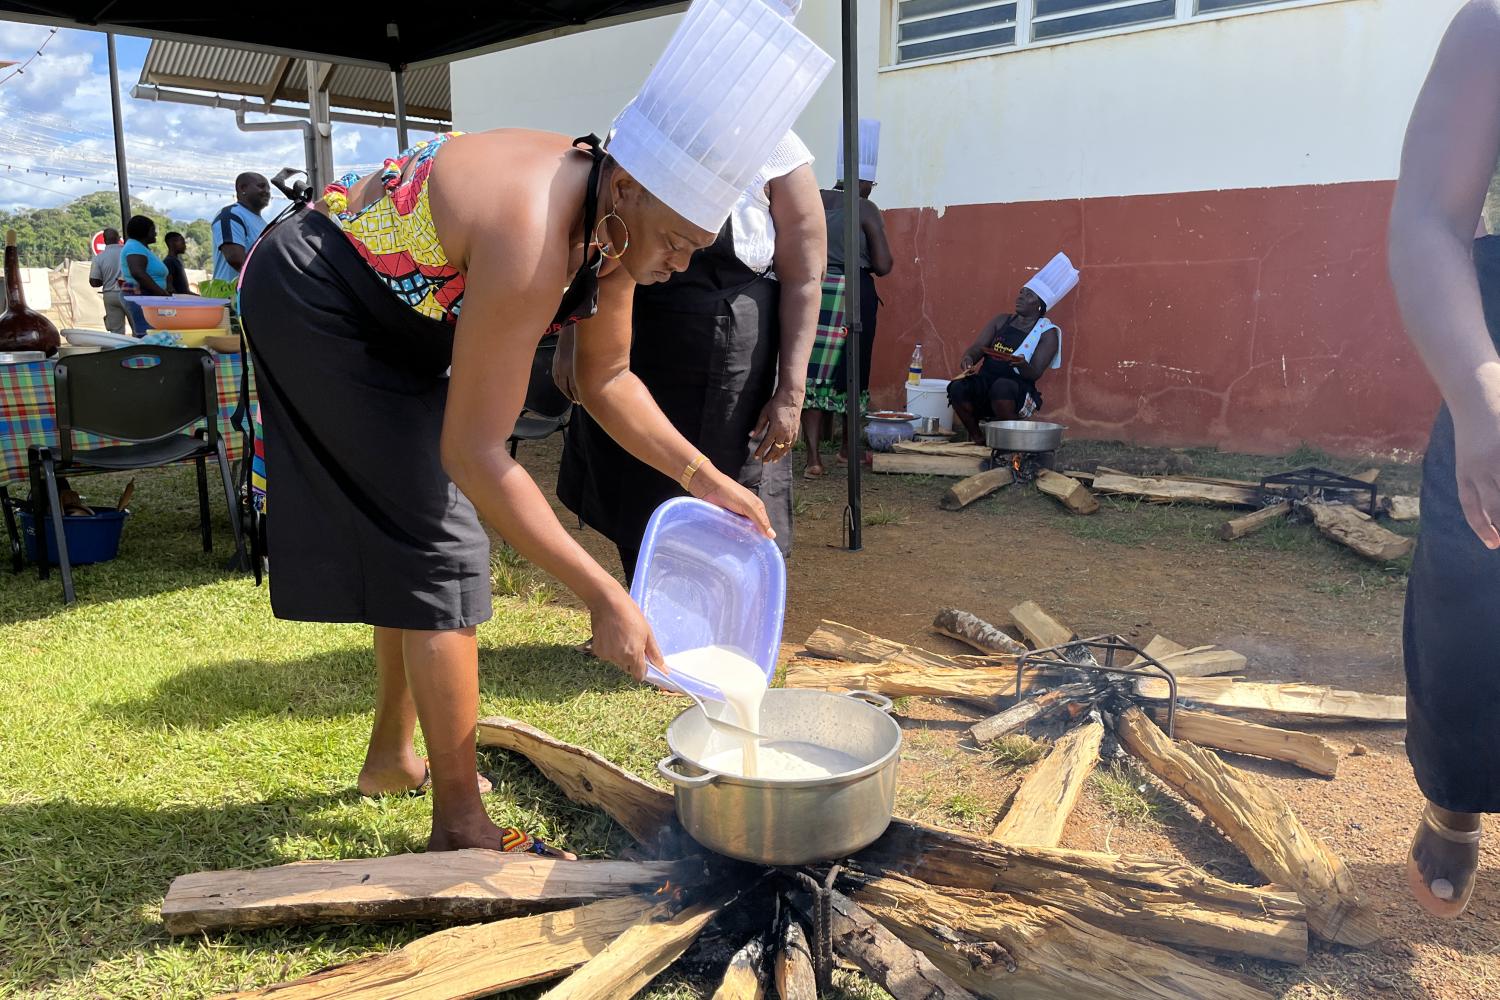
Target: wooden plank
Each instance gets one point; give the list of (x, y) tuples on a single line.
[(959, 466), (1305, 750), (475, 960), (1172, 903), (976, 632), (1258, 821), (1023, 713), (452, 886), (998, 946), (1347, 526), (1069, 492), (966, 491), (793, 963), (1200, 661), (743, 979), (1247, 524), (1163, 490), (897, 680), (639, 955), (1404, 508), (963, 449), (887, 961), (842, 642), (1368, 476), (1041, 629), (1311, 701), (1046, 798), (646, 812)]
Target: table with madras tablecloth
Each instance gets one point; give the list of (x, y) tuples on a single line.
[(28, 413)]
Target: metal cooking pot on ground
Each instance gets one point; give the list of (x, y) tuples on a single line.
[(1023, 435), (784, 821)]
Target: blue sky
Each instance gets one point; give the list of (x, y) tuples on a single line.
[(56, 117)]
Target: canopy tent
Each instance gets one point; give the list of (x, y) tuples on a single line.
[(399, 40)]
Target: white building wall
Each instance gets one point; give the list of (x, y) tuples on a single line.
[(1315, 94)]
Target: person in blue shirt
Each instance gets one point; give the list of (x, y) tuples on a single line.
[(142, 271), (237, 226)]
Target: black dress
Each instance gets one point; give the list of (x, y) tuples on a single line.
[(363, 523), (706, 345), (1452, 630)]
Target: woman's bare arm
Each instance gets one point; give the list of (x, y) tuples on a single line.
[(800, 258), (1449, 159), (873, 224), (1041, 358)]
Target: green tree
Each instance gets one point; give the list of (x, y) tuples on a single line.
[(48, 236)]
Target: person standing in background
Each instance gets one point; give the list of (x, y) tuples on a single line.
[(236, 228), (177, 279), (827, 372), (141, 271), (104, 274), (1448, 286)]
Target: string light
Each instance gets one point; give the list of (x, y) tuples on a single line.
[(33, 57)]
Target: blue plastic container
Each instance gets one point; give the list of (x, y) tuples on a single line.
[(93, 539), (706, 577)]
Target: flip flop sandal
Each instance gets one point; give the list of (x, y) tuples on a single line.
[(513, 841), (1439, 897), (814, 472)]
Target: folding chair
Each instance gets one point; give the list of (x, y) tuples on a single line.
[(149, 396), (546, 410)]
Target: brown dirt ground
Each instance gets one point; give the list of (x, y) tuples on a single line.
[(1299, 608)]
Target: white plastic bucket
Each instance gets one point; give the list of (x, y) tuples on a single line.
[(929, 398)]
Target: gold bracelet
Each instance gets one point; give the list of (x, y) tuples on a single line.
[(692, 469)]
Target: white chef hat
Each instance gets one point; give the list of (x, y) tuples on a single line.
[(788, 8), (869, 149), (734, 77), (1053, 282)]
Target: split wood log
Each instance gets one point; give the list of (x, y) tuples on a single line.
[(1368, 476), (646, 812), (1305, 750), (745, 979), (1259, 822), (1200, 661), (1164, 490), (1046, 798), (639, 955), (1347, 526), (1248, 484), (1069, 492), (1172, 903), (902, 971), (1312, 701), (1247, 524), (975, 631), (1023, 713), (475, 960), (1403, 508), (964, 449), (453, 886), (1041, 629), (842, 642), (897, 680), (1001, 947), (958, 466), (966, 491), (795, 979)]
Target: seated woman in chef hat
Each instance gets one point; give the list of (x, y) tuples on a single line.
[(1011, 354)]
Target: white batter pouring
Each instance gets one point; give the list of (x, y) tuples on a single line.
[(744, 686)]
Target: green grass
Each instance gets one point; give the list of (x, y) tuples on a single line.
[(966, 806), (1015, 751), (167, 724), (884, 515), (1132, 797)]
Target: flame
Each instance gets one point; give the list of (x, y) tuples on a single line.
[(1015, 462)]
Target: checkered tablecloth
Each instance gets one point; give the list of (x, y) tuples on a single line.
[(28, 413)]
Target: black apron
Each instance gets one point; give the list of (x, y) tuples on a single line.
[(1452, 631), (706, 344)]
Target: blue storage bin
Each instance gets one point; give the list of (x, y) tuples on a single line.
[(91, 539)]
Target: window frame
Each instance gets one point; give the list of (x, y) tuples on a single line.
[(1187, 14)]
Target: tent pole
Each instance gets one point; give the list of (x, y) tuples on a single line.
[(114, 101), (854, 512), (320, 169), (398, 92)]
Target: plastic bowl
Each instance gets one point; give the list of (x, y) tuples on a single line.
[(91, 538), (706, 577), (181, 312)]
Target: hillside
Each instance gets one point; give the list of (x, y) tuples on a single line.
[(48, 236)]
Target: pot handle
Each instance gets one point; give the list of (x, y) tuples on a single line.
[(880, 701), (665, 768)]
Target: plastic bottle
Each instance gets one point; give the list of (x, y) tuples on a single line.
[(914, 370)]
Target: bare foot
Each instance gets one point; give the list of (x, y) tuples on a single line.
[(406, 777), (814, 472), (485, 834), (1444, 860)]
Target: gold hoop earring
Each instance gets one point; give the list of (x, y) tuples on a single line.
[(607, 242)]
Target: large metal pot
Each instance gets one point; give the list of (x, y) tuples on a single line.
[(1023, 435), (774, 821)]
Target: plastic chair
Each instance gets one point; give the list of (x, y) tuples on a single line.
[(546, 410), (146, 395)]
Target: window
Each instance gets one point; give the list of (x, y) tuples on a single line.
[(935, 29)]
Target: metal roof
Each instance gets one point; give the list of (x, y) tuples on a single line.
[(380, 34), (268, 77)]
